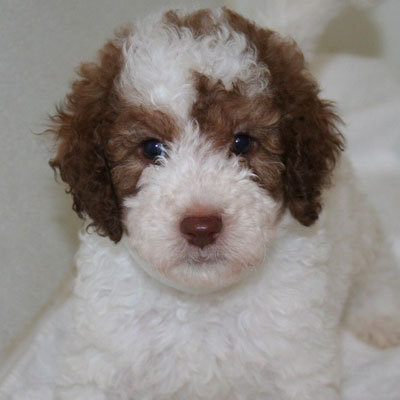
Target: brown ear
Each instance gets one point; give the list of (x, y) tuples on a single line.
[(308, 129), (312, 144), (310, 139), (81, 126)]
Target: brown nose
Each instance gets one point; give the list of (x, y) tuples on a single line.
[(201, 231)]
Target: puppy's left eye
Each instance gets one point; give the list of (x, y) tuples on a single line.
[(153, 148), (242, 144)]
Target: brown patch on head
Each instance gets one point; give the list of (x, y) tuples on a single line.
[(97, 134), (200, 22), (309, 142), (222, 114)]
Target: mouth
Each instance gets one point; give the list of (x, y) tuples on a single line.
[(203, 259)]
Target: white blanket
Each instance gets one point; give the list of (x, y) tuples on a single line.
[(368, 95)]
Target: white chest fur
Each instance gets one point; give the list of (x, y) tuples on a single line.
[(274, 332), (141, 335)]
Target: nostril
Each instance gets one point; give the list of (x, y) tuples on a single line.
[(201, 230)]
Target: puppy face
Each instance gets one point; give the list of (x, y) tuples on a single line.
[(192, 134)]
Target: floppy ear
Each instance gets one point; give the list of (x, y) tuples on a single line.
[(312, 144), (308, 129), (81, 126)]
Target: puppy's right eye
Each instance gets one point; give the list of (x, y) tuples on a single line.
[(153, 148), (242, 144)]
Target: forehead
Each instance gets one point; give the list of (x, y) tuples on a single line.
[(164, 54)]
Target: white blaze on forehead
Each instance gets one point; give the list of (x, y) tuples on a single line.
[(160, 60)]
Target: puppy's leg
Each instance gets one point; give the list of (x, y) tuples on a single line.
[(373, 312)]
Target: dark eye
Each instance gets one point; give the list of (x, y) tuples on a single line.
[(153, 148), (242, 144)]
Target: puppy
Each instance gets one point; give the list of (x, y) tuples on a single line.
[(232, 244)]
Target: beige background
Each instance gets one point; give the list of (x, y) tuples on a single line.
[(41, 42)]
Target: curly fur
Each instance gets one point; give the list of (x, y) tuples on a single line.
[(82, 125), (309, 141), (257, 312)]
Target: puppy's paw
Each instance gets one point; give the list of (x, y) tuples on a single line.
[(380, 331)]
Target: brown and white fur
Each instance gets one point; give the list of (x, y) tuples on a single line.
[(225, 274)]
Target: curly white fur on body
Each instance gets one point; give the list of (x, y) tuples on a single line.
[(273, 335)]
